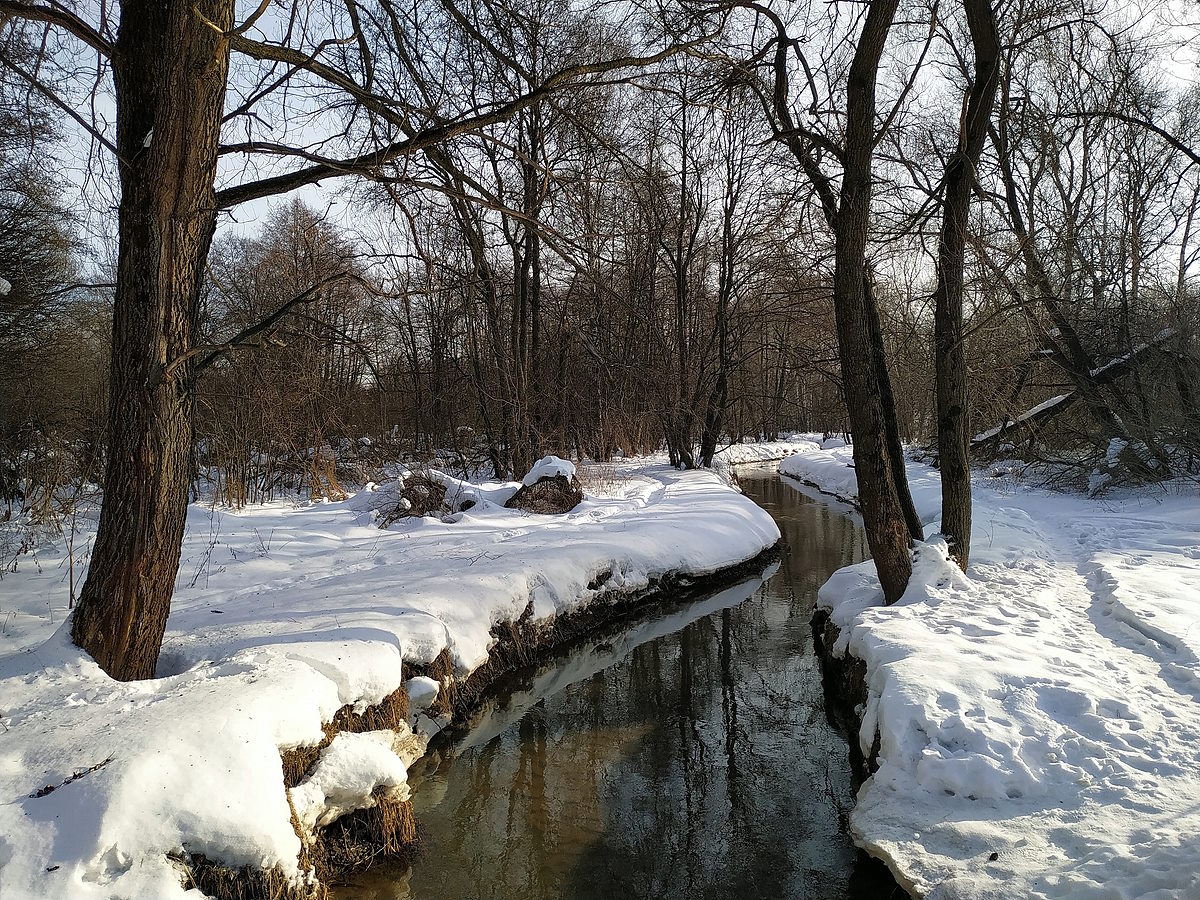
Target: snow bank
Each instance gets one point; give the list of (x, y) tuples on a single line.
[(830, 469), (282, 614), (1039, 720), (726, 458)]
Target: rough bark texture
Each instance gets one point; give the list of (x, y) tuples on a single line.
[(169, 69), (953, 400), (883, 513), (870, 360), (891, 422)]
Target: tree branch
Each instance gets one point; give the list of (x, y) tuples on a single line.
[(428, 137), (56, 15)]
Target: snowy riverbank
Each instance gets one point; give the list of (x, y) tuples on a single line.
[(1039, 720), (282, 614)]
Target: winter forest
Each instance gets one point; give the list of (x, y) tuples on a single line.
[(573, 448)]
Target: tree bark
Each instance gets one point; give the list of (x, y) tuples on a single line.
[(891, 421), (883, 514), (169, 69), (950, 363)]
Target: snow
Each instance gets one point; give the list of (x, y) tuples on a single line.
[(764, 451), (751, 453), (349, 770), (421, 692), (1163, 335), (282, 614), (1038, 719), (831, 471), (549, 467), (1023, 417)]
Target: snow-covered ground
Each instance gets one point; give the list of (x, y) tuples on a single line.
[(1039, 720), (282, 614), (727, 457)]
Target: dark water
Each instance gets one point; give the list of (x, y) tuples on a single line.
[(685, 756)]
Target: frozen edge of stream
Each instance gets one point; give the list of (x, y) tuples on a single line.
[(105, 832)]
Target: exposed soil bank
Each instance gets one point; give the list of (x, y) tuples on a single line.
[(522, 643), (844, 679)]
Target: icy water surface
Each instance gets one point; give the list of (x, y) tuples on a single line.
[(686, 756)]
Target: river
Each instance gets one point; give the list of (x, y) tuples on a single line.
[(686, 755)]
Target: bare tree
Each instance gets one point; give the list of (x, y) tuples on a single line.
[(958, 184), (889, 514)]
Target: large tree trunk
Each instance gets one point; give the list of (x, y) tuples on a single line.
[(169, 70), (883, 514), (953, 402)]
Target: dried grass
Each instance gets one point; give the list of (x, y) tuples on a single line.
[(386, 831), (548, 496), (441, 670), (390, 713), (323, 480), (246, 883), (420, 495), (603, 479)]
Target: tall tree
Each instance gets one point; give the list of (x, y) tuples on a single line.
[(889, 515), (883, 514), (170, 66), (950, 359)]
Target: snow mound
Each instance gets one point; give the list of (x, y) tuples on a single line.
[(347, 774), (422, 691), (549, 467)]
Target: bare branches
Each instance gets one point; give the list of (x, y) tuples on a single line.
[(53, 13), (252, 335), (32, 80), (1119, 116), (370, 163)]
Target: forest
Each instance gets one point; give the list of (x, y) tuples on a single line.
[(268, 256)]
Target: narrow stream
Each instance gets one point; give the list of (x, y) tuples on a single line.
[(687, 755)]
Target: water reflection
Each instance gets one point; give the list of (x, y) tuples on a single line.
[(685, 757)]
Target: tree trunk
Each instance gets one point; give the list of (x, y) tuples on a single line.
[(891, 421), (889, 514), (883, 514), (169, 70), (953, 401)]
